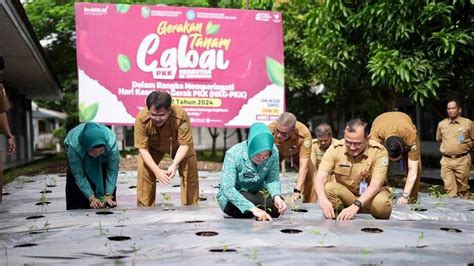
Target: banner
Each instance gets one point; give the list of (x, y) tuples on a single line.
[(223, 66)]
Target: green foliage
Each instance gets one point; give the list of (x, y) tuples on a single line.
[(379, 50), (435, 191)]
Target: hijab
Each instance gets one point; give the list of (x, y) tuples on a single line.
[(260, 139), (92, 136)]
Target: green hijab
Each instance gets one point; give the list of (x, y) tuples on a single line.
[(260, 139), (92, 135)]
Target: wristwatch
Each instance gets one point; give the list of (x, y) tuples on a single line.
[(357, 203), (405, 195)]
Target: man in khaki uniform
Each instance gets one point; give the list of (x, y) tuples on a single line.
[(360, 167), (159, 129), (398, 134), (456, 136), (293, 140), (321, 143), (4, 106)]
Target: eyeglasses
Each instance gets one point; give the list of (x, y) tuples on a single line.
[(356, 144), (282, 133)]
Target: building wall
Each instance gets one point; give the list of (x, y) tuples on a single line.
[(20, 121)]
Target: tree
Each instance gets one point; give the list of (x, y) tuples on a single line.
[(54, 24), (367, 53)]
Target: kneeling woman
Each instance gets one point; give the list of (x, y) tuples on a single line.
[(93, 164), (250, 184)]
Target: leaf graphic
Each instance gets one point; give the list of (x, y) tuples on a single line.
[(145, 12), (122, 8), (88, 113), (124, 63), (275, 71), (212, 29)]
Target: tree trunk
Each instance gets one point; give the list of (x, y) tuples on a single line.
[(214, 135)]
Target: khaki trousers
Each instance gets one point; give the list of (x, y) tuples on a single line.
[(380, 207), (455, 175), (146, 181), (309, 193)]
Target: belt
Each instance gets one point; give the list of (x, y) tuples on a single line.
[(456, 156)]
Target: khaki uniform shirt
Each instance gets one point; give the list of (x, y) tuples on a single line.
[(4, 103), (348, 170), (298, 144), (456, 137), (175, 132), (400, 125), (317, 152)]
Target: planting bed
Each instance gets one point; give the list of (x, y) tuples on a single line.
[(435, 231)]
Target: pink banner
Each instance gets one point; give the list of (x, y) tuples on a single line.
[(224, 66)]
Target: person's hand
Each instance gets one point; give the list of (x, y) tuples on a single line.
[(95, 203), (402, 201), (261, 214), (348, 213), (162, 177), (171, 172), (110, 201), (327, 208), (280, 204), (11, 145), (294, 197)]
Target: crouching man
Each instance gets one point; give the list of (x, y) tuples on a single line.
[(360, 167)]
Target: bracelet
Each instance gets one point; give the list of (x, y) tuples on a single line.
[(174, 163)]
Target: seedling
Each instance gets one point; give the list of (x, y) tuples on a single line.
[(254, 254), (338, 209), (102, 231), (265, 195), (436, 192), (420, 238), (166, 201), (365, 253), (317, 232)]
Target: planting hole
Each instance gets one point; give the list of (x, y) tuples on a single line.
[(29, 181), (291, 231), (216, 186), (449, 229), (325, 247), (176, 185), (36, 232), (5, 193), (470, 210), (25, 245), (34, 217), (46, 191), (194, 222), (207, 233), (104, 213), (51, 185), (202, 199), (299, 210), (371, 230), (169, 209), (424, 246), (132, 187), (117, 257), (417, 209), (119, 238), (62, 175), (222, 250), (43, 203)]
